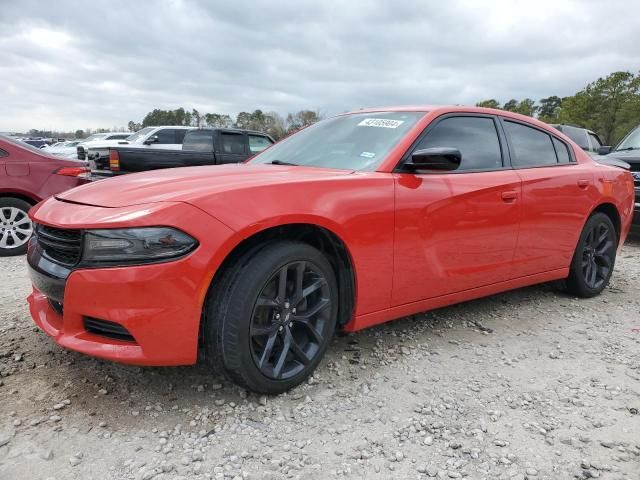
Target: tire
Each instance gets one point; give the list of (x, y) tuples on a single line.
[(594, 258), (268, 334), (15, 226)]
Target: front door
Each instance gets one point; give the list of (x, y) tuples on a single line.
[(457, 230)]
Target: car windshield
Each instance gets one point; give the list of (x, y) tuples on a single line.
[(358, 141), (139, 134), (632, 142)]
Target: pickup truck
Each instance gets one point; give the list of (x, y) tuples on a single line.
[(164, 137), (203, 146)]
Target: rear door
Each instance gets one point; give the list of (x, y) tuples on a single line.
[(232, 147), (456, 230), (557, 195)]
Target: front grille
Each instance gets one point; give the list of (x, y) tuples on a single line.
[(107, 329), (635, 171), (82, 154), (60, 245)]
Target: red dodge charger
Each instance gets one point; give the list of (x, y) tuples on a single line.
[(354, 221)]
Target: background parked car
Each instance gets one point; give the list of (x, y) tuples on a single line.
[(28, 175), (36, 142), (96, 138), (163, 138), (587, 140), (205, 146), (628, 150), (64, 149)]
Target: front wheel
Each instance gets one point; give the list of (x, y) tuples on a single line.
[(594, 258), (272, 316), (15, 226)]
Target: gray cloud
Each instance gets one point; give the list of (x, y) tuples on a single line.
[(74, 65)]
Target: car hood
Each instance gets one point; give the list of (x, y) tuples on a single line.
[(189, 184)]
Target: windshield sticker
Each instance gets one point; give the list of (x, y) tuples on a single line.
[(380, 122), (367, 154)]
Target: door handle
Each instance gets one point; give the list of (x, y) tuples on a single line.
[(509, 196), (583, 183)]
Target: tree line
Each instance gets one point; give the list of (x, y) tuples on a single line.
[(271, 122), (610, 106)]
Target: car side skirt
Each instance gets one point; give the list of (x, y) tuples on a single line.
[(382, 316)]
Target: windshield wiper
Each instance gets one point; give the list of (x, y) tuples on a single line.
[(280, 162), (627, 149)]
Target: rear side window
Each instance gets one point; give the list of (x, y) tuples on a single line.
[(595, 142), (532, 147), (562, 151), (120, 136), (257, 143), (180, 133), (199, 141), (166, 136), (3, 153), (232, 143), (475, 137)]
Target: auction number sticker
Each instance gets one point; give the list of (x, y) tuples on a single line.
[(380, 123)]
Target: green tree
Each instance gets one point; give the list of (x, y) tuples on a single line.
[(549, 109), (511, 105), (610, 106), (492, 103), (195, 118), (79, 134), (526, 107), (301, 119), (218, 120)]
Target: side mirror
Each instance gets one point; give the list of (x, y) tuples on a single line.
[(151, 139), (604, 149), (436, 158)]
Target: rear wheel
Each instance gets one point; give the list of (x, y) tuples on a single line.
[(272, 316), (594, 258), (15, 226)]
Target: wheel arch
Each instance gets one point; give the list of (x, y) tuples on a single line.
[(610, 210), (20, 196), (318, 236)]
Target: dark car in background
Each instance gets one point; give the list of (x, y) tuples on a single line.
[(628, 150), (587, 140), (27, 176)]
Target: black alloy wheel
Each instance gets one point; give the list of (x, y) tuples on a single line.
[(594, 257), (271, 315), (289, 320), (597, 255)]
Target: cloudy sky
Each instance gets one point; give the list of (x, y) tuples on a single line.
[(73, 64)]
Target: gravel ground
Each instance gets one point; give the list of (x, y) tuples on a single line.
[(527, 384)]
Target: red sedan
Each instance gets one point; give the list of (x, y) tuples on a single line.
[(28, 175), (359, 219)]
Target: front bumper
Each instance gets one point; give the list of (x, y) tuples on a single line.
[(159, 305)]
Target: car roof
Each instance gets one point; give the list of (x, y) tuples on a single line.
[(435, 110), (227, 129)]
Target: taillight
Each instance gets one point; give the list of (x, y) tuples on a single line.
[(72, 171), (114, 160)]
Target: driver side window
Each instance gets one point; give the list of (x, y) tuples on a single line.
[(475, 137)]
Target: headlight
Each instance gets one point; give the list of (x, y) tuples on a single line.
[(135, 245)]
